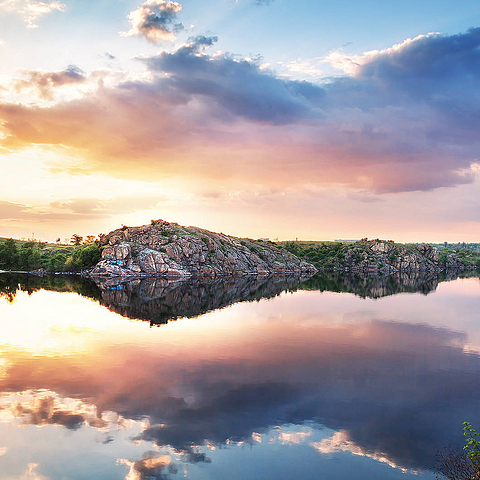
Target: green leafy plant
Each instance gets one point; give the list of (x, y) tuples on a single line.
[(473, 444)]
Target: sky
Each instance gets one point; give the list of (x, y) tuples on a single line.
[(314, 120)]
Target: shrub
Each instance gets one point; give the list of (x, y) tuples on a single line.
[(83, 258), (461, 464)]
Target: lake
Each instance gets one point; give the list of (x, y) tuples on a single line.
[(333, 377)]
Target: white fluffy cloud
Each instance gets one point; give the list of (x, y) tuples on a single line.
[(155, 20), (31, 10)]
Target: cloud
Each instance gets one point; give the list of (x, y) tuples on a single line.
[(11, 210), (155, 20), (116, 205), (31, 473), (43, 408), (150, 467), (305, 67), (45, 82), (79, 208), (404, 119), (237, 86), (16, 211), (32, 10), (340, 442)]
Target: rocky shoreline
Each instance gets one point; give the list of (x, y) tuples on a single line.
[(166, 249)]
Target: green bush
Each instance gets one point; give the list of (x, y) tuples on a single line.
[(83, 258)]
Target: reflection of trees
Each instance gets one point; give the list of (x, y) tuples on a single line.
[(10, 284), (455, 465)]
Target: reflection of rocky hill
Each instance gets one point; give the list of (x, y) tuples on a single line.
[(159, 300), (377, 286)]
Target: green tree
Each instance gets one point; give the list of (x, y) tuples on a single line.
[(29, 256), (473, 444), (83, 258), (9, 254), (88, 257), (57, 262), (76, 239)]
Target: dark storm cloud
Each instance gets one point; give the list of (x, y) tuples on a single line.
[(434, 75), (236, 85)]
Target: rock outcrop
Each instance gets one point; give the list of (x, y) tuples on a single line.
[(168, 249), (378, 256), (392, 257)]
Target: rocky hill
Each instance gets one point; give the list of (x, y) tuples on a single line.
[(377, 255), (168, 249)]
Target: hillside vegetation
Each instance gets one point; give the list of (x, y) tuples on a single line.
[(18, 255), (381, 255)]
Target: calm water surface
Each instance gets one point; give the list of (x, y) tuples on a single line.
[(333, 378)]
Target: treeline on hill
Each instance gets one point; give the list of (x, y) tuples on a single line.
[(18, 255), (329, 255), (322, 255)]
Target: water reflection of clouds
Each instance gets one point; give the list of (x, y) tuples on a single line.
[(340, 442), (150, 467), (396, 391), (32, 474), (45, 407)]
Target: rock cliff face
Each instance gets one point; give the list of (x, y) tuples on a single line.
[(392, 257), (168, 249), (377, 256)]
